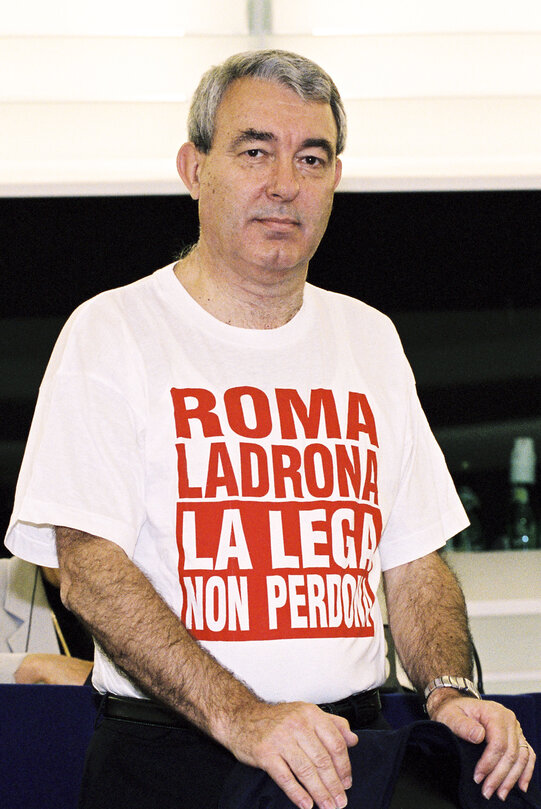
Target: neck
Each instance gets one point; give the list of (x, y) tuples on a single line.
[(259, 299)]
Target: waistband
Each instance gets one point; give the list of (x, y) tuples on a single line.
[(360, 709)]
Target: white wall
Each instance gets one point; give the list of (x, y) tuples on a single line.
[(503, 592), (503, 597), (93, 97)]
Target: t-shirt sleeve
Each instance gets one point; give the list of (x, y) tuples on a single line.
[(82, 466), (427, 510)]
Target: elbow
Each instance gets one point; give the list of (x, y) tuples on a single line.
[(67, 551), (66, 589)]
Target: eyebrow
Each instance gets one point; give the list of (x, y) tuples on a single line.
[(319, 143), (249, 135)]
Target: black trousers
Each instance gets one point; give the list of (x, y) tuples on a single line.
[(131, 765)]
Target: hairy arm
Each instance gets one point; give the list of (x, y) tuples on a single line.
[(427, 616), (428, 620), (139, 632), (303, 749)]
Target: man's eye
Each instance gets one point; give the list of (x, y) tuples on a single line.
[(312, 160), (254, 152)]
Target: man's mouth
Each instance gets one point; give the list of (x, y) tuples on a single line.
[(278, 223)]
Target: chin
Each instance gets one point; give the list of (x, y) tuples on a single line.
[(281, 266), (279, 260)]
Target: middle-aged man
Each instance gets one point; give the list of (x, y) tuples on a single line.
[(231, 457)]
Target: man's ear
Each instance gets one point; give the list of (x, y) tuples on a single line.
[(189, 161), (337, 172)]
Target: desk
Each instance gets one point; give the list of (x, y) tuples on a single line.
[(44, 731)]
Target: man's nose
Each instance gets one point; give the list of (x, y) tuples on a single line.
[(283, 182)]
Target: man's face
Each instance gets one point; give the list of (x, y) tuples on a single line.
[(266, 187)]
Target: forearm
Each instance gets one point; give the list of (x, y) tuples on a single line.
[(142, 635), (304, 749), (428, 620), (53, 669)]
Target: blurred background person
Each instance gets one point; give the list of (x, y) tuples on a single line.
[(40, 640)]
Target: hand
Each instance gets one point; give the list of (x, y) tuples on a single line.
[(53, 669), (302, 748), (507, 759)]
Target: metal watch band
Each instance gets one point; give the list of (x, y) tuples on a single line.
[(449, 681)]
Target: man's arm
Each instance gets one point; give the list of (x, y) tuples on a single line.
[(302, 748), (428, 620), (52, 669)]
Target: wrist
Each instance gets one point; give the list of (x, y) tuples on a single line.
[(447, 687), (437, 698), (32, 669), (223, 725)]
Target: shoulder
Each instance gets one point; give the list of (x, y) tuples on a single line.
[(112, 310), (4, 571), (358, 320), (12, 565), (354, 308), (103, 333), (15, 573)]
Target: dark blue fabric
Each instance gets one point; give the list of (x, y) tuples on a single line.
[(376, 762), (404, 709), (44, 732)]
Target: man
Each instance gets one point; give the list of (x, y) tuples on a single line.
[(230, 457), (40, 641)]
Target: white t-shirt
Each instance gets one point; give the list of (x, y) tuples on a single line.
[(260, 478)]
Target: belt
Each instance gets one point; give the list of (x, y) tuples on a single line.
[(359, 709)]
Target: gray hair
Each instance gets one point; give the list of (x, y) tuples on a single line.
[(304, 77)]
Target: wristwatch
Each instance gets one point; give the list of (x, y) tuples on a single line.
[(449, 681)]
